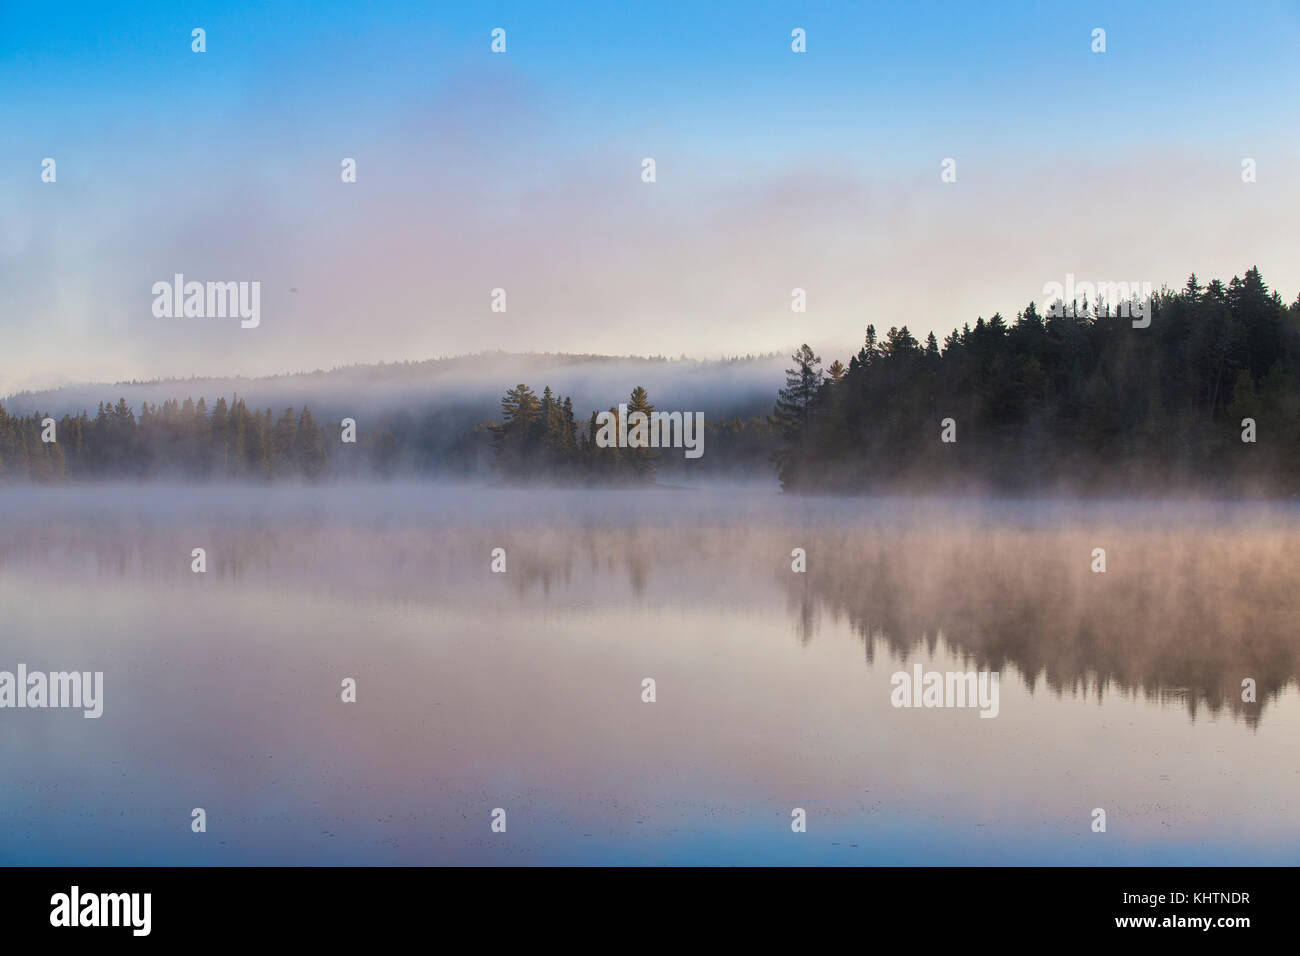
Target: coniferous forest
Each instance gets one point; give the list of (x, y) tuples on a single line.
[(1207, 397), (1074, 403), (539, 438), (176, 440)]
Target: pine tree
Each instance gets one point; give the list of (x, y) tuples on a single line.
[(518, 438), (640, 461), (794, 403)]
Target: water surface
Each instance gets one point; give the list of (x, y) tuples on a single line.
[(523, 690)]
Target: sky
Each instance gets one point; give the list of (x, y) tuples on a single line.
[(522, 170)]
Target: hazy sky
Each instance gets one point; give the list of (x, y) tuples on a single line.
[(522, 170)]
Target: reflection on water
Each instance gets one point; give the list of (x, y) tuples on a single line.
[(522, 690)]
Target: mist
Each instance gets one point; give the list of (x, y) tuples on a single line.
[(499, 639)]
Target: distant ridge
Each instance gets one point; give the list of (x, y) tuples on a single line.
[(474, 383)]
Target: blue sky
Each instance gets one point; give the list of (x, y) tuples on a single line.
[(775, 170), (721, 72)]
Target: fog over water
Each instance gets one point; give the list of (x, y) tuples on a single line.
[(522, 690), (740, 386)]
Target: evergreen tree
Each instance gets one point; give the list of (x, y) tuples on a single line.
[(794, 404)]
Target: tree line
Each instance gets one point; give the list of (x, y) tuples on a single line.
[(176, 439), (1075, 400), (540, 438)]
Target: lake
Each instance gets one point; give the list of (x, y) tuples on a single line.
[(523, 691)]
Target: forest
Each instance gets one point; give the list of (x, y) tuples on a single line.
[(1073, 401), (179, 440), (538, 439)]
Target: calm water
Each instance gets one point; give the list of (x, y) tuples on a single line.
[(523, 690)]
